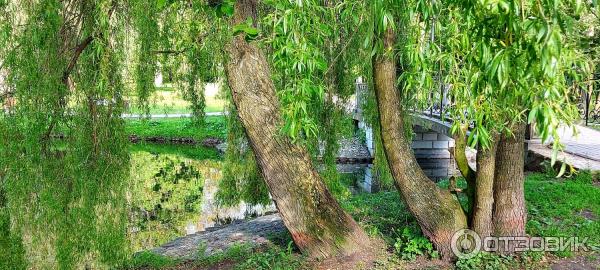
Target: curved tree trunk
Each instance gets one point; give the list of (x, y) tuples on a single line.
[(437, 211), (315, 220), (510, 213), (482, 207)]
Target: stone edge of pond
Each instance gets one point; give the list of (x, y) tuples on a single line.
[(255, 232)]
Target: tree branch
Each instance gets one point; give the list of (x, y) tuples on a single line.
[(78, 50)]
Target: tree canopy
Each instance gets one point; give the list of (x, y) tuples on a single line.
[(69, 65)]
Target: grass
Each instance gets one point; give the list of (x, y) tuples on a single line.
[(167, 100), (246, 257), (149, 260), (239, 257), (566, 207), (215, 127), (556, 207)]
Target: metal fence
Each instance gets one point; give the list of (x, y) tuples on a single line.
[(589, 106), (439, 104)]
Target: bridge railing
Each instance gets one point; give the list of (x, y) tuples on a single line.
[(437, 105), (589, 106)]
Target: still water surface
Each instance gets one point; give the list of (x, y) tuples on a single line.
[(172, 195)]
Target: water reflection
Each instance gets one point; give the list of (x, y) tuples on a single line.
[(359, 177), (212, 214), (172, 195)]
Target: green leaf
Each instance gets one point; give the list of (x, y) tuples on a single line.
[(532, 115), (251, 31), (563, 168), (160, 3), (227, 9)]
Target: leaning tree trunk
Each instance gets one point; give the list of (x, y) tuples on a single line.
[(315, 220), (437, 211), (510, 213)]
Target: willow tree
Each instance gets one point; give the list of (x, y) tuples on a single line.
[(62, 62), (507, 63), (180, 39), (315, 220), (437, 211)]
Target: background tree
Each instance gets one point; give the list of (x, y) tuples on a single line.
[(63, 67), (512, 57)]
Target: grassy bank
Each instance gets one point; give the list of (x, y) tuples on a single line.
[(168, 100), (196, 152), (215, 127), (556, 207)]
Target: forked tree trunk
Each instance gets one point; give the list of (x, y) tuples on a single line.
[(319, 227), (510, 213), (481, 220), (437, 211)]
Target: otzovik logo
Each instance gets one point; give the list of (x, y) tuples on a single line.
[(466, 244)]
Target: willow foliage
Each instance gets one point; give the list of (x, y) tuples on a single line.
[(242, 180), (315, 52), (147, 29), (494, 63), (309, 44), (66, 197)]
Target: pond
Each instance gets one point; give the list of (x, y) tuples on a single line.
[(172, 195)]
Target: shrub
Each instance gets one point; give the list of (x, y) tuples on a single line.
[(409, 245)]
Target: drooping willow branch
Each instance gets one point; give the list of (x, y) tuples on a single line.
[(78, 50)]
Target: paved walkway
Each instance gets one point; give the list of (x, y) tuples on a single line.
[(585, 143), (582, 148), (172, 115)]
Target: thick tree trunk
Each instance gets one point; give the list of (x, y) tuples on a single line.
[(316, 222), (481, 221), (510, 213), (437, 211)]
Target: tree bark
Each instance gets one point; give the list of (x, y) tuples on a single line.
[(318, 225), (510, 213), (437, 211), (460, 156), (481, 220)]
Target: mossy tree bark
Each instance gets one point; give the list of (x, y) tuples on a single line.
[(510, 214), (318, 225), (437, 211)]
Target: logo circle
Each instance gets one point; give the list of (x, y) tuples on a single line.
[(465, 244)]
